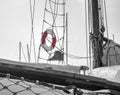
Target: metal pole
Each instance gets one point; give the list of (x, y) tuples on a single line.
[(64, 1), (67, 38), (28, 52), (20, 51)]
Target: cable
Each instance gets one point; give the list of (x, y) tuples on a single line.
[(54, 13), (42, 30), (32, 12), (69, 55), (90, 28), (64, 1), (106, 19), (86, 24), (51, 24), (54, 16), (57, 3), (54, 5), (24, 54)]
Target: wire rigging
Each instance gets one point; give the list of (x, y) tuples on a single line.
[(70, 55), (32, 40), (52, 7), (86, 27), (90, 28), (54, 16), (67, 55), (105, 12), (64, 1), (54, 12), (23, 53), (42, 30), (57, 3)]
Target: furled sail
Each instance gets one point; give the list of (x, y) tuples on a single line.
[(111, 54)]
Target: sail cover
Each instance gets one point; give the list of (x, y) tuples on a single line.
[(111, 54)]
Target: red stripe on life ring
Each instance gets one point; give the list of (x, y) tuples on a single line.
[(53, 42), (44, 37)]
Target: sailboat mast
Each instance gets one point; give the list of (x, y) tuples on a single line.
[(66, 38), (96, 35)]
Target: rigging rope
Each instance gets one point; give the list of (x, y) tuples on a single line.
[(23, 53), (54, 13), (53, 10), (105, 12), (64, 1), (86, 29), (90, 28), (57, 3), (42, 30), (70, 55), (54, 16), (51, 24), (32, 12), (102, 20)]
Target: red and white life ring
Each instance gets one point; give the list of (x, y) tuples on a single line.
[(43, 40)]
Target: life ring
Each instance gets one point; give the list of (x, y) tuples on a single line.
[(43, 40)]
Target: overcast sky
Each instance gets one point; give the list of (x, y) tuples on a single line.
[(15, 25)]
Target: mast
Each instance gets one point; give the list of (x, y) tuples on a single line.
[(96, 35), (67, 38)]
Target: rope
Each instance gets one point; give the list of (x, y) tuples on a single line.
[(90, 28), (106, 18), (54, 5), (13, 85), (64, 1), (54, 13), (86, 24), (32, 12), (42, 30), (51, 24), (23, 54), (57, 3), (69, 55), (54, 16)]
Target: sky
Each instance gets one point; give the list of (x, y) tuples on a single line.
[(15, 26)]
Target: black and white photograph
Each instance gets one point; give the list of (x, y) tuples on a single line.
[(59, 47)]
